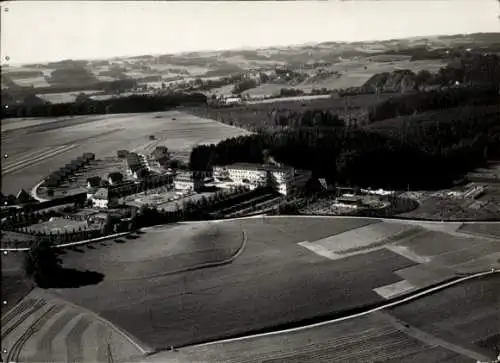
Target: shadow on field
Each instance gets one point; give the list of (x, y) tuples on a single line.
[(140, 232), (120, 240), (90, 247), (131, 236), (66, 278)]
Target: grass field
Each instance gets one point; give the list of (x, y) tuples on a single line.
[(40, 146)]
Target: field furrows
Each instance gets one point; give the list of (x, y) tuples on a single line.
[(74, 347), (40, 157), (35, 307), (328, 348), (44, 345), (20, 308), (14, 352), (378, 348)]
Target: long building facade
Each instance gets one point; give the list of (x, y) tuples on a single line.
[(255, 175)]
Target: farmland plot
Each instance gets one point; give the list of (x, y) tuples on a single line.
[(272, 282), (102, 135)]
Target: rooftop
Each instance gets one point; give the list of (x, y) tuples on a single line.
[(255, 166)]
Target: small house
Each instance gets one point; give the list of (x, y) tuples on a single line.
[(94, 182)]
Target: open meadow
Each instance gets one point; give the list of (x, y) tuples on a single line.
[(36, 147)]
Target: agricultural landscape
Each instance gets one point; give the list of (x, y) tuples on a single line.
[(366, 176)]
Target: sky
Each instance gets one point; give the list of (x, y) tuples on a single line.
[(40, 31)]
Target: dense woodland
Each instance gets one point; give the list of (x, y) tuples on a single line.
[(429, 150)]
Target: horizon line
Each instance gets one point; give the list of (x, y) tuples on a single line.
[(294, 45)]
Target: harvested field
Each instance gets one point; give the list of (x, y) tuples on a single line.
[(40, 146), (273, 282), (43, 329), (365, 339), (465, 313), (482, 229), (283, 281)]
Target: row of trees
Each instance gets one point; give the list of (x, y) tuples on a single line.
[(417, 153), (130, 104), (407, 104)]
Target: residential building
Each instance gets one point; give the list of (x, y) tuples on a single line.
[(115, 178), (93, 182), (134, 163), (186, 181)]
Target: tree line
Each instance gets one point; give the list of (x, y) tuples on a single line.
[(407, 104), (130, 104)]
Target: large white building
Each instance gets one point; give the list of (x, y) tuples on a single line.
[(254, 175)]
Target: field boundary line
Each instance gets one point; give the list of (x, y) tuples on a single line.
[(227, 261), (399, 301), (71, 244)]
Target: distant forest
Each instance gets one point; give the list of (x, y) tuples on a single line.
[(130, 104)]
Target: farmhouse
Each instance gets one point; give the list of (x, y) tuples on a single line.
[(254, 175)]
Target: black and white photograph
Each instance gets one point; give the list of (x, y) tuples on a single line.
[(250, 181)]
